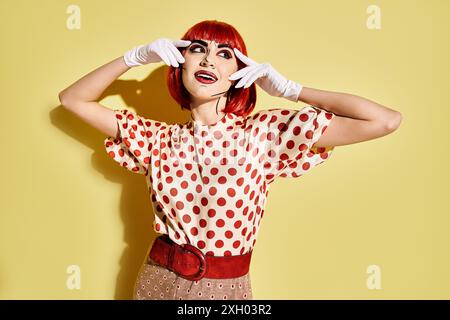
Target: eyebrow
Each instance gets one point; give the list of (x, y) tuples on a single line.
[(204, 43)]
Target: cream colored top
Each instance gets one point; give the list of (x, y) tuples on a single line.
[(209, 183)]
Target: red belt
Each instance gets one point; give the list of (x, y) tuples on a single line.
[(190, 263)]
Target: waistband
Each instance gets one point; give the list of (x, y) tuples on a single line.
[(190, 263)]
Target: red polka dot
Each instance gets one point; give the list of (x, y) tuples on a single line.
[(202, 223), (221, 201), (309, 134), (179, 205), (201, 244), (211, 212), (290, 144), (212, 191), (220, 223), (184, 184), (222, 180), (219, 243), (196, 209)]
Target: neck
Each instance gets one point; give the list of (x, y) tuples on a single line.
[(210, 111)]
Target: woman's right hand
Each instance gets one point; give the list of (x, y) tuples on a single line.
[(160, 49)]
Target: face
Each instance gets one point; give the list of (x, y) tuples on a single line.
[(212, 57)]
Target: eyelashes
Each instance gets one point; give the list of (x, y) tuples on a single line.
[(192, 48)]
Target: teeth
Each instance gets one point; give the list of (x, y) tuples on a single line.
[(205, 76)]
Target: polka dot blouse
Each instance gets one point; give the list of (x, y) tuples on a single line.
[(209, 183)]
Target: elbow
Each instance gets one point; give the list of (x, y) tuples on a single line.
[(64, 99), (394, 122)]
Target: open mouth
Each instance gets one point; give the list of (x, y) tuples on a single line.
[(205, 77)]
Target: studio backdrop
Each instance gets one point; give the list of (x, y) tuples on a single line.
[(372, 222)]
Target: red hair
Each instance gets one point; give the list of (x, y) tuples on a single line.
[(240, 101)]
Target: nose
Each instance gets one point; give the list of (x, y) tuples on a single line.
[(205, 61)]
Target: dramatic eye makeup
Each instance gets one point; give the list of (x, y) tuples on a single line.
[(195, 44)]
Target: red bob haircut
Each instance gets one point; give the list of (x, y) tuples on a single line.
[(240, 101)]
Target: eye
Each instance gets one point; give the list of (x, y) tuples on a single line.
[(227, 54), (194, 47)]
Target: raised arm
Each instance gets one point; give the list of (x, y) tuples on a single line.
[(80, 97), (358, 119)]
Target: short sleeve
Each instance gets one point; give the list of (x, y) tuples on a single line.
[(288, 137), (135, 141)]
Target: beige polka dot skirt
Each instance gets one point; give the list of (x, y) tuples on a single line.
[(155, 282)]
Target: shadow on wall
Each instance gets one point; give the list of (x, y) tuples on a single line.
[(151, 99)]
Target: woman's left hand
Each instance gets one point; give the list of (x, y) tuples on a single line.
[(266, 77)]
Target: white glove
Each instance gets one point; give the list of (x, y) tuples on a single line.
[(160, 49), (266, 77)]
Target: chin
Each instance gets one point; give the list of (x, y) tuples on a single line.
[(202, 97), (204, 92)]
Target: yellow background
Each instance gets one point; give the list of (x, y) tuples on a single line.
[(382, 202)]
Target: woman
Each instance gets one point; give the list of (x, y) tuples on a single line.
[(209, 177)]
